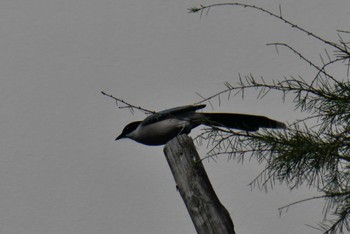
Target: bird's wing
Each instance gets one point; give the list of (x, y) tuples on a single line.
[(169, 113)]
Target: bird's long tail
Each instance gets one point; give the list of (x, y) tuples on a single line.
[(241, 121)]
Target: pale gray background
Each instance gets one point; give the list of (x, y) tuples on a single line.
[(60, 169)]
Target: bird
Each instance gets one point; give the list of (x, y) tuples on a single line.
[(160, 127)]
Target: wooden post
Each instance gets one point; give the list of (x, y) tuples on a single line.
[(208, 215)]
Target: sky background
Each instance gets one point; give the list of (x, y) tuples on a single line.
[(61, 170)]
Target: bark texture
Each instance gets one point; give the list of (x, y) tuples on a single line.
[(207, 213)]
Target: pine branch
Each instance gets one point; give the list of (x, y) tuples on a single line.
[(202, 8)]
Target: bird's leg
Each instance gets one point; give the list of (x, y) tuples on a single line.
[(184, 129)]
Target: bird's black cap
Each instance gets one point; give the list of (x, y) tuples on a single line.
[(128, 129)]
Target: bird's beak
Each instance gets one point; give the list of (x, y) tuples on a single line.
[(121, 136)]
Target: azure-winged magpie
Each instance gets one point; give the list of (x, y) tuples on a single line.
[(162, 126)]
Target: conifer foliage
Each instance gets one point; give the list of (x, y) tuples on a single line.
[(313, 151)]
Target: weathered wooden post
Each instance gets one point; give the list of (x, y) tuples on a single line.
[(207, 213)]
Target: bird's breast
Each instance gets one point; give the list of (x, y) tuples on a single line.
[(161, 132)]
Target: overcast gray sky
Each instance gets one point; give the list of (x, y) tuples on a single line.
[(60, 169)]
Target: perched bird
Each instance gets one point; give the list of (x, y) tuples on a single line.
[(162, 126)]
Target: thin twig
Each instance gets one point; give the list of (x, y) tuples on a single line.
[(128, 105)]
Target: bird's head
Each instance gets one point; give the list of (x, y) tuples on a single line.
[(128, 129)]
